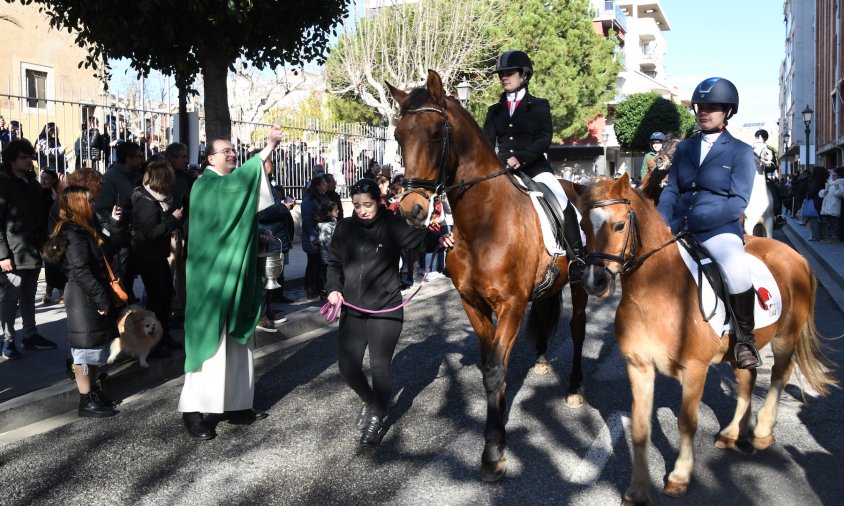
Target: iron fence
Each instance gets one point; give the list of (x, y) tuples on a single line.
[(83, 130)]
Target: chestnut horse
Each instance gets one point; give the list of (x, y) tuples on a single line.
[(498, 256), (659, 327)]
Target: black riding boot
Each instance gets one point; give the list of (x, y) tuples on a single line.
[(571, 230), (747, 356)]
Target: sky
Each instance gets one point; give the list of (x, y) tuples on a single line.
[(740, 40)]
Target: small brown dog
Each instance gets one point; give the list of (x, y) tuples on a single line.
[(140, 331)]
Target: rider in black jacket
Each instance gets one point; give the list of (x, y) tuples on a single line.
[(363, 269)]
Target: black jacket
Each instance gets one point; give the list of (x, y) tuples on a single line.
[(151, 227), (363, 261), (525, 135), (22, 220), (81, 260)]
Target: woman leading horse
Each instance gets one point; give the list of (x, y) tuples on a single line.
[(499, 259)]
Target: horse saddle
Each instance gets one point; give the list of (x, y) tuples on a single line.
[(713, 297), (547, 208)]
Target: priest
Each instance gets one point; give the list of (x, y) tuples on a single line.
[(224, 288)]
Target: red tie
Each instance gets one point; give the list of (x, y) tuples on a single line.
[(512, 106)]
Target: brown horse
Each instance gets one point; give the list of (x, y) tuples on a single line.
[(659, 327), (498, 258)]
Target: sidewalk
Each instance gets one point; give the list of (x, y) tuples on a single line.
[(827, 260), (37, 385)]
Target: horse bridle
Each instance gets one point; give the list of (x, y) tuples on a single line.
[(434, 186), (628, 260), (437, 187)]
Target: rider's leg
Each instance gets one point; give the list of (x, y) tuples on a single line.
[(728, 252), (571, 226)]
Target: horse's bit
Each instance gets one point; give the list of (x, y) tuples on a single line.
[(632, 242)]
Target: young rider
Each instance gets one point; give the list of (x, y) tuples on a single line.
[(709, 185), (520, 125)]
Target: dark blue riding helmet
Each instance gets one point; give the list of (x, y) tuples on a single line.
[(658, 136), (717, 90)]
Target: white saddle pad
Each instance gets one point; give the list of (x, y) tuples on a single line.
[(764, 282), (548, 239)]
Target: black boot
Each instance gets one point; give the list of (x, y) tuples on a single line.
[(571, 230), (372, 432), (747, 356), (196, 426), (108, 401), (90, 405)]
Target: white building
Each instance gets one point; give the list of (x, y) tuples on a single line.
[(797, 85)]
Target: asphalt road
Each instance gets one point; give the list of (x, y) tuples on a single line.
[(306, 452)]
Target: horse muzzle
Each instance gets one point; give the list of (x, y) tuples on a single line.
[(598, 281)]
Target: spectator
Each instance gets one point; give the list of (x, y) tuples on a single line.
[(4, 132), (78, 249), (327, 218), (22, 233), (384, 187), (831, 206), (373, 170), (53, 276), (15, 131), (816, 183), (176, 155), (310, 235), (332, 195), (155, 216), (91, 144), (119, 181), (50, 150)]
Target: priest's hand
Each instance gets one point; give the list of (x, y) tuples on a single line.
[(275, 137), (335, 298)]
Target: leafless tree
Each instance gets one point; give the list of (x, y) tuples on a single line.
[(399, 43)]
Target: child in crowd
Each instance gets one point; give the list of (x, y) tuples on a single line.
[(327, 216)]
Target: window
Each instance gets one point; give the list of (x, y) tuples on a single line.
[(36, 88)]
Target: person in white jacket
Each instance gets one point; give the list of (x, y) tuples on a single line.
[(831, 207)]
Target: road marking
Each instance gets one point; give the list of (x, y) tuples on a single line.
[(590, 467)]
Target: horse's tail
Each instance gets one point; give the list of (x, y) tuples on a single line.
[(544, 317), (810, 351)]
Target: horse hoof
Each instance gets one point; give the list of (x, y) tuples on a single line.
[(541, 368), (574, 399), (724, 442), (495, 472), (675, 489), (627, 501), (762, 443)]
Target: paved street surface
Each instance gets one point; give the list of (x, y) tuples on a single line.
[(306, 452)]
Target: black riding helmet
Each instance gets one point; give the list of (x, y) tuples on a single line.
[(717, 90), (515, 60), (761, 133)]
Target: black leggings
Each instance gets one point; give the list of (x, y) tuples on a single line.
[(313, 278), (381, 334)]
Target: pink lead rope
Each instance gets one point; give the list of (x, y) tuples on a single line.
[(331, 311)]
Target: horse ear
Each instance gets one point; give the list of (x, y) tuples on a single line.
[(435, 88), (398, 95)]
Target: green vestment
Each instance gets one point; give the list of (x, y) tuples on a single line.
[(224, 289)]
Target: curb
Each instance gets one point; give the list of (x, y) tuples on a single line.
[(130, 377), (826, 274)]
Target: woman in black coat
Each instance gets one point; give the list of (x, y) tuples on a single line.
[(154, 219), (77, 248), (363, 269)]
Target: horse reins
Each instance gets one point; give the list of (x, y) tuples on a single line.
[(627, 260)]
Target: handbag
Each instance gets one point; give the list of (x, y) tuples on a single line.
[(119, 297), (807, 210)]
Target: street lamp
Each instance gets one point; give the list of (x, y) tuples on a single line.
[(807, 120), (464, 90), (785, 138)]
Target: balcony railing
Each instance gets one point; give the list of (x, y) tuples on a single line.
[(611, 12)]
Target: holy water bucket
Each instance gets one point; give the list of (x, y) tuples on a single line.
[(271, 266)]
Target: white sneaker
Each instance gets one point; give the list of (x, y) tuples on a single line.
[(266, 325), (280, 319), (435, 275)]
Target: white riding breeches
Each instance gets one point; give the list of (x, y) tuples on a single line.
[(551, 181), (727, 250)]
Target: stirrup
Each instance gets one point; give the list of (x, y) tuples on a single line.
[(752, 348)]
